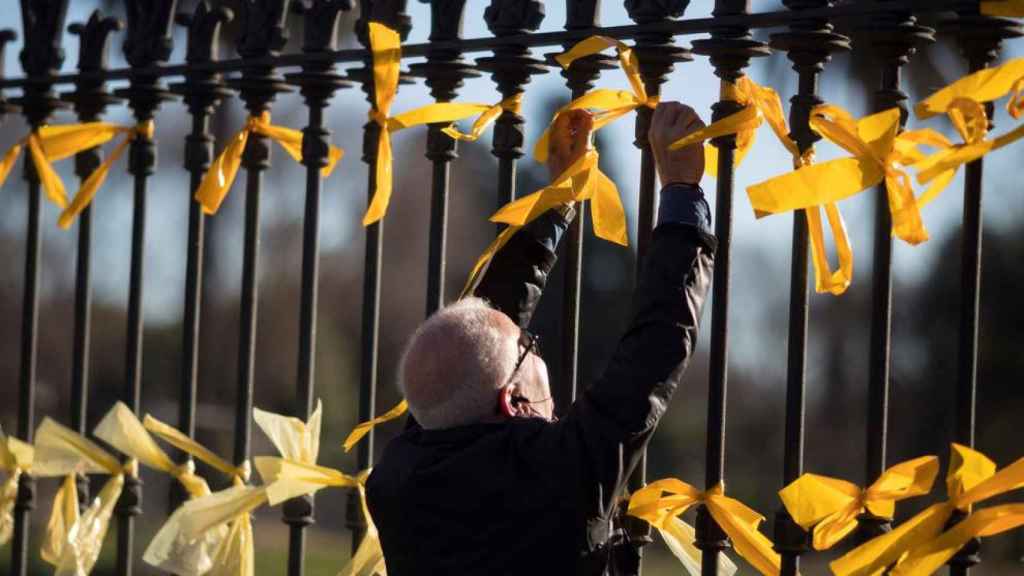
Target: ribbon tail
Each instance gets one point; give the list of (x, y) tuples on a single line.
[(609, 218), (170, 551), (48, 178), (63, 515), (7, 164), (931, 556), (753, 546), (91, 185), (876, 554), (86, 535), (679, 537), (364, 428), (217, 181), (482, 263), (235, 555), (382, 181), (8, 494)]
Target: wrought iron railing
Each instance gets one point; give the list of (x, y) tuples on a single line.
[(804, 33)]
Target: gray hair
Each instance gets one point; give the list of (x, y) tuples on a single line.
[(455, 362)]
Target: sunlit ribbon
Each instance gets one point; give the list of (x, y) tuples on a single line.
[(971, 478), (831, 506), (102, 132), (660, 502), (963, 102), (386, 46), (511, 104), (218, 179), (15, 458), (364, 428), (295, 473), (51, 143), (73, 540), (1006, 8)]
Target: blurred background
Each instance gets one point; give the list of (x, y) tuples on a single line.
[(926, 290)]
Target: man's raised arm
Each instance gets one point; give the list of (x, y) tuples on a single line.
[(515, 278)]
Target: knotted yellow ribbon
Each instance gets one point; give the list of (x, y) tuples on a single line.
[(1007, 8), (971, 478), (218, 179), (660, 502), (102, 132), (73, 541), (15, 458), (386, 46), (51, 143), (963, 102), (831, 506)]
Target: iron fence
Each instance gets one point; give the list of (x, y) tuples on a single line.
[(804, 33)]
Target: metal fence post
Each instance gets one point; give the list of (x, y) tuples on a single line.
[(444, 71), (201, 92), (511, 67), (809, 44), (89, 100), (147, 43), (730, 51), (894, 35)]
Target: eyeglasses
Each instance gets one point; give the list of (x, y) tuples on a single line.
[(528, 342)]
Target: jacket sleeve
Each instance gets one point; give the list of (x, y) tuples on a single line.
[(515, 278), (614, 418)]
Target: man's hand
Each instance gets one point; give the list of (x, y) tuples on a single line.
[(569, 141), (671, 122)]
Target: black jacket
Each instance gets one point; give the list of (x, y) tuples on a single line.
[(527, 496)]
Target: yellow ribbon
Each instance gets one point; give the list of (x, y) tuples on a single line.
[(15, 458), (831, 506), (386, 46), (73, 541), (971, 478), (218, 179), (512, 104), (1006, 8), (660, 502), (963, 102), (170, 551), (100, 132), (364, 428), (51, 143)]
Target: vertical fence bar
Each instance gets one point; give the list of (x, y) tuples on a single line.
[(201, 92), (89, 100), (317, 82), (579, 78), (657, 54), (980, 38), (511, 67), (809, 44), (261, 35), (444, 71), (41, 58), (393, 15), (730, 50), (147, 43), (894, 36)]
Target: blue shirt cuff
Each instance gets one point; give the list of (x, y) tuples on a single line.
[(684, 204)]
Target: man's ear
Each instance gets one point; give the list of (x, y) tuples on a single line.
[(506, 405)]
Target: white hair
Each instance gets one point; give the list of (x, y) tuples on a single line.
[(455, 362)]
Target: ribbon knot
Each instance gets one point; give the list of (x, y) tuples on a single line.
[(661, 502), (922, 545)]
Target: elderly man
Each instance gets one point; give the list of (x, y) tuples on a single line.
[(487, 481)]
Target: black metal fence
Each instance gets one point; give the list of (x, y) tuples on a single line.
[(804, 33)]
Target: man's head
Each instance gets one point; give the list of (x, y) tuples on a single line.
[(460, 367)]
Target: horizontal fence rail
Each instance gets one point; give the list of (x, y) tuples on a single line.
[(808, 32)]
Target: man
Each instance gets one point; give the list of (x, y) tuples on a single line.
[(487, 481)]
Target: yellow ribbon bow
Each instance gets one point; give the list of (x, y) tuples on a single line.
[(100, 132), (73, 541), (1006, 8), (51, 143), (963, 102), (487, 117), (660, 502), (386, 46), (971, 478), (15, 458), (218, 179), (831, 506)]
